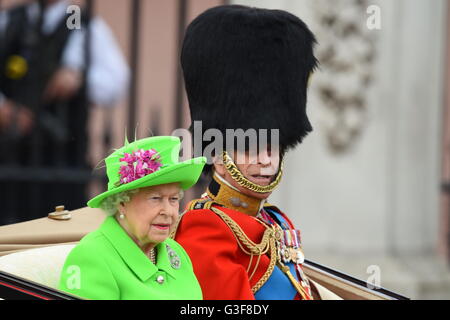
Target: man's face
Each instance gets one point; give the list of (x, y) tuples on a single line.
[(259, 167)]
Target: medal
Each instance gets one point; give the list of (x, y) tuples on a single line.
[(285, 254), (299, 257), (293, 254), (289, 249)]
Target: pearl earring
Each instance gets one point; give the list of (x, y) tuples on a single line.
[(121, 216)]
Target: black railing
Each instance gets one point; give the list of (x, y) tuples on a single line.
[(38, 167), (134, 58)]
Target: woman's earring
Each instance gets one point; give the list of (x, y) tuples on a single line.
[(121, 216)]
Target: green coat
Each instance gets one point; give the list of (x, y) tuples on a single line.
[(107, 264)]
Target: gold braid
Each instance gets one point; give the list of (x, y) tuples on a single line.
[(237, 176), (254, 248), (267, 243), (294, 281), (250, 248), (273, 261)]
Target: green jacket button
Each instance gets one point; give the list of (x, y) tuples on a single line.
[(160, 279)]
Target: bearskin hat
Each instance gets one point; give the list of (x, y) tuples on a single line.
[(248, 68)]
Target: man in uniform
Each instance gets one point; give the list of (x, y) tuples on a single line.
[(247, 68)]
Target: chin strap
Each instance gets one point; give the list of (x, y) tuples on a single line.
[(237, 176)]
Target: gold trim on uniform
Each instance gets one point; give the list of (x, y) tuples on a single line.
[(268, 245), (250, 248)]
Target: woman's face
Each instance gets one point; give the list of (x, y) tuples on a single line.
[(151, 214)]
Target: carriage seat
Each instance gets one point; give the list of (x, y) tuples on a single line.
[(41, 265)]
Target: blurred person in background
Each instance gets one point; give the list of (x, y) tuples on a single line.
[(50, 75)]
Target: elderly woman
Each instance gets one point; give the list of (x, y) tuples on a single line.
[(130, 256)]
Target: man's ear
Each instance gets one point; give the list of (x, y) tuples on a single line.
[(218, 166)]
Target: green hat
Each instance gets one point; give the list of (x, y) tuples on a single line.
[(148, 162)]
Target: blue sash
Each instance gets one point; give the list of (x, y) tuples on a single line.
[(278, 286)]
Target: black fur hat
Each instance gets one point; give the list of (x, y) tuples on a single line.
[(249, 68)]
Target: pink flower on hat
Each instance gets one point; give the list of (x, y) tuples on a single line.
[(138, 164)]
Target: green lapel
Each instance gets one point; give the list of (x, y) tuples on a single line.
[(132, 255)]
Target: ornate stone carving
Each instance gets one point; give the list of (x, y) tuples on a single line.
[(346, 52)]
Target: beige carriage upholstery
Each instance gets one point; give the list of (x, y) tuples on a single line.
[(41, 265), (46, 232), (36, 250)]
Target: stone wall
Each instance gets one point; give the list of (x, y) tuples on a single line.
[(364, 187)]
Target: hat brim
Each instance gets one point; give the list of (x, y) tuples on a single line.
[(186, 173)]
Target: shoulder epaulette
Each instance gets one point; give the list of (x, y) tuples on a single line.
[(198, 204)]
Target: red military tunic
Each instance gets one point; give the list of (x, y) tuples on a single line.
[(221, 261), (218, 261)]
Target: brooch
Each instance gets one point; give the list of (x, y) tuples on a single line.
[(174, 259)]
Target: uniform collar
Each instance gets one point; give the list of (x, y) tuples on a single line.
[(132, 255), (224, 194)]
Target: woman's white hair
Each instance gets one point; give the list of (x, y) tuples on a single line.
[(111, 204)]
